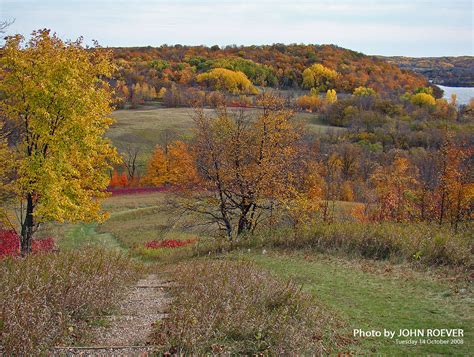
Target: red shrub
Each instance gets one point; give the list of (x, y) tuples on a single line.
[(43, 245), (168, 243), (10, 244), (135, 190)]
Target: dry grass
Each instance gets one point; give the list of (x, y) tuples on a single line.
[(420, 243), (48, 298), (137, 219), (144, 126), (123, 203), (233, 307)]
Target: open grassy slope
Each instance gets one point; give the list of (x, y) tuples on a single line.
[(146, 126), (371, 295), (140, 218), (79, 235), (362, 293)]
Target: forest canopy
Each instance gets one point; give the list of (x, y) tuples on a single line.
[(278, 66)]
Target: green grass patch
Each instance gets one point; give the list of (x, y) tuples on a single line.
[(376, 301), (138, 219), (80, 235)]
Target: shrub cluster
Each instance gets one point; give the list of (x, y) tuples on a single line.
[(135, 190), (47, 298), (419, 243), (233, 307), (422, 243), (10, 244)]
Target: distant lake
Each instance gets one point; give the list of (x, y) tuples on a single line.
[(464, 94)]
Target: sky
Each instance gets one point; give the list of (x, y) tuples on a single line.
[(392, 27)]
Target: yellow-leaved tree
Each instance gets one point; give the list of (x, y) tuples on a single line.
[(55, 98), (364, 92), (302, 202), (319, 77), (235, 82), (331, 96), (7, 166), (423, 99)]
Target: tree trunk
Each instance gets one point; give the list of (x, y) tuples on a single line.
[(27, 227), (457, 217), (441, 211), (423, 203), (228, 229), (244, 224)]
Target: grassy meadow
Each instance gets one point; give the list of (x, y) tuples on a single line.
[(324, 291), (355, 292), (151, 124), (371, 295)]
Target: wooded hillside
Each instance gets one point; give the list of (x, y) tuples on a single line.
[(448, 71), (274, 65)]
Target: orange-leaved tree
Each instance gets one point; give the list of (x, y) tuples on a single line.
[(395, 187), (118, 180), (174, 165), (248, 164), (181, 164), (455, 190), (157, 170)]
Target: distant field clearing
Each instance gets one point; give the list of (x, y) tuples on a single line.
[(146, 126)]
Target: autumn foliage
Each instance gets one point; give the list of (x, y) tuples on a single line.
[(395, 187), (173, 165), (118, 180), (454, 194), (10, 244), (402, 196), (364, 92), (278, 66), (423, 99), (227, 80), (250, 165), (310, 103), (319, 77), (57, 98)]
